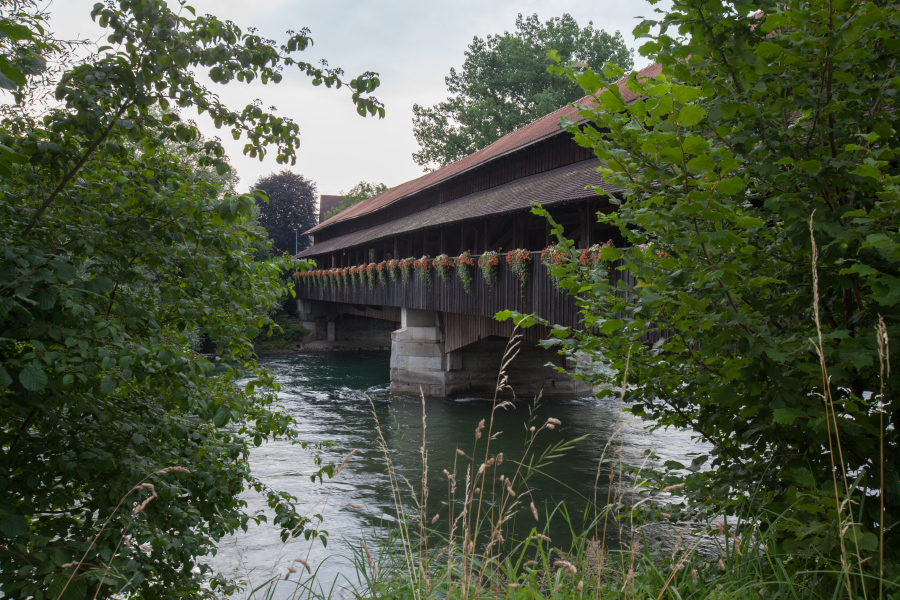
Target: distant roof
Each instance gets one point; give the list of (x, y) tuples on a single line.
[(534, 131), (564, 184), (326, 203)]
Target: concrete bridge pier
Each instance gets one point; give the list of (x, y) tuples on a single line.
[(419, 361)]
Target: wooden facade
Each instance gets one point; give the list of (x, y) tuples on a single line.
[(468, 317)]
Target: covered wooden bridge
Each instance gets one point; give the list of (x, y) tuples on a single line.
[(479, 204)]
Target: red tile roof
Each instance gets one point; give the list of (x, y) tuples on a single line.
[(536, 130)]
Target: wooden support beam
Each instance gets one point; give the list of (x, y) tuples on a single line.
[(396, 247), (589, 224), (442, 249), (487, 236)]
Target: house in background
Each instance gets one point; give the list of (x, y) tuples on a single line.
[(326, 203)]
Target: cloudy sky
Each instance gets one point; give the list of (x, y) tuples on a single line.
[(412, 44)]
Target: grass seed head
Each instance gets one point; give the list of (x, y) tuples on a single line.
[(305, 564), (569, 567)]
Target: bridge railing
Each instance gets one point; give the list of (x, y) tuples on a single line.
[(538, 294)]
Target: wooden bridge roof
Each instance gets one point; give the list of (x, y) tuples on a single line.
[(544, 127), (564, 184)]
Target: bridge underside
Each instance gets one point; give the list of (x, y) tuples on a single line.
[(446, 354)]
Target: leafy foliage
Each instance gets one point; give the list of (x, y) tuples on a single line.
[(504, 84), (359, 192), (287, 208), (762, 130), (122, 452)]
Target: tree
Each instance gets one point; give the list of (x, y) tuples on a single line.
[(287, 208), (504, 84), (764, 135), (359, 192), (122, 454)]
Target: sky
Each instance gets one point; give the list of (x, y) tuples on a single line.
[(412, 44)]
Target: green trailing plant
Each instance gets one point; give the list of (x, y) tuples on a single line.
[(370, 275), (519, 262), (405, 265), (381, 268), (423, 269), (443, 264), (489, 263), (393, 267), (464, 264)]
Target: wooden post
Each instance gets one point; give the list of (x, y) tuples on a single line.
[(589, 224), (487, 235), (462, 238), (442, 249), (396, 247)]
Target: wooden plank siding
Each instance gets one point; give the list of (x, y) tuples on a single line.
[(538, 295), (469, 317)]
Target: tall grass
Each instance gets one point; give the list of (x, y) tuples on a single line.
[(475, 546), (473, 550)]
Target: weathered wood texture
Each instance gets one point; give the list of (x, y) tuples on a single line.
[(469, 317), (539, 294)]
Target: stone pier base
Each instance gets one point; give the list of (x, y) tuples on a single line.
[(419, 362)]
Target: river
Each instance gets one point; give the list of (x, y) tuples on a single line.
[(329, 396)]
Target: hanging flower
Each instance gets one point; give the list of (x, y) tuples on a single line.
[(442, 264), (591, 258), (423, 269), (405, 266), (393, 268), (380, 268), (554, 255), (464, 264), (488, 263), (335, 275), (519, 261), (370, 273)]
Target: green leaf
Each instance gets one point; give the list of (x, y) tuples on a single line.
[(33, 378), (107, 386), (731, 186), (690, 115), (64, 270), (867, 170), (701, 164), (786, 416), (766, 50), (13, 525)]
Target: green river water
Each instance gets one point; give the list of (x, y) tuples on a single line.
[(328, 395)]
